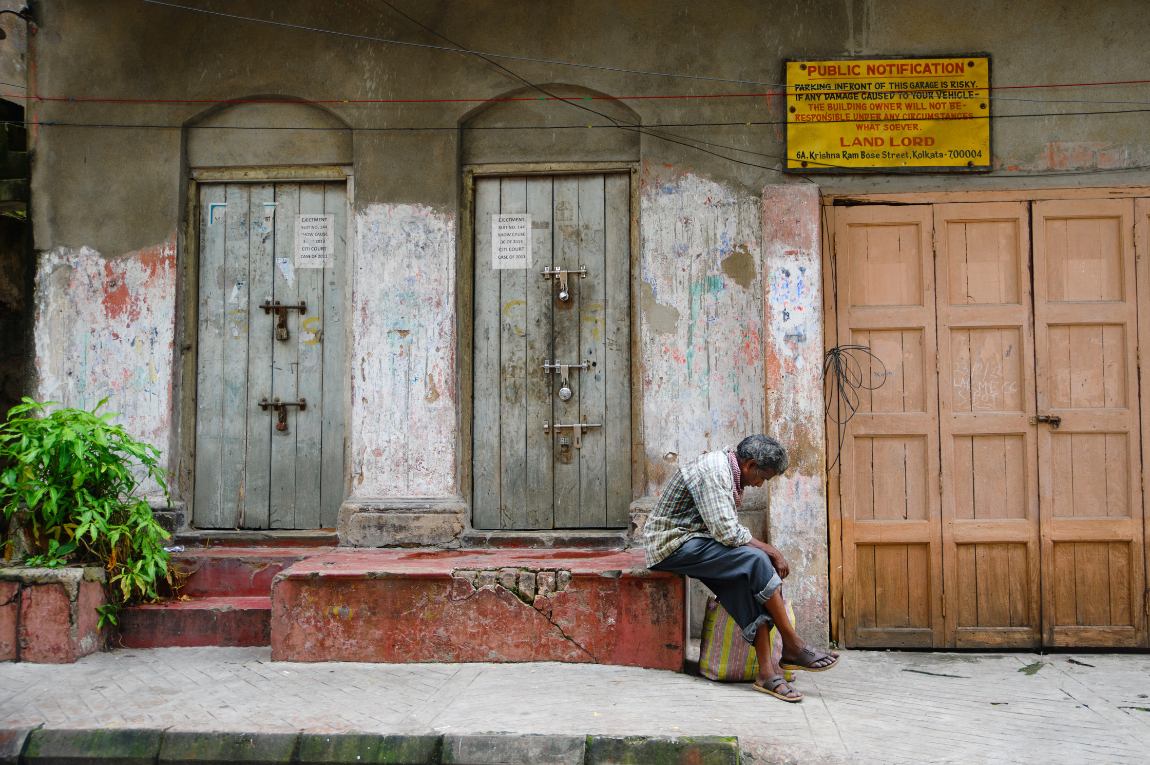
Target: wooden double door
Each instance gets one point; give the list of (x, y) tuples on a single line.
[(990, 485), (260, 467), (553, 450)]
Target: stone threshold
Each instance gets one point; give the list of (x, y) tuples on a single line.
[(44, 746)]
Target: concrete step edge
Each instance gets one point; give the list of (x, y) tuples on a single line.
[(160, 746)]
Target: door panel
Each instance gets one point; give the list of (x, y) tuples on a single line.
[(1091, 498), (248, 473), (986, 398), (526, 477), (892, 562)]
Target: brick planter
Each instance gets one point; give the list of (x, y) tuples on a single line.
[(48, 615)]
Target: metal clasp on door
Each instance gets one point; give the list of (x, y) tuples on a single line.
[(281, 312), (281, 407), (1053, 419), (579, 428), (564, 375), (560, 275)]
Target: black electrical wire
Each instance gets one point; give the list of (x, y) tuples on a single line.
[(843, 378)]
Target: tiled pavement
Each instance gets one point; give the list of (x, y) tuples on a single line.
[(876, 708)]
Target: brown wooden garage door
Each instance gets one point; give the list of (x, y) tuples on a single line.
[(990, 488)]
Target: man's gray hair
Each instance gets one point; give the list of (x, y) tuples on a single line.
[(767, 453)]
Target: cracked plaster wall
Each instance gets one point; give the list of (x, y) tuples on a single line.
[(701, 300), (403, 426), (105, 328)]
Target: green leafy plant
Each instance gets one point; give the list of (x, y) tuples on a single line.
[(72, 487)]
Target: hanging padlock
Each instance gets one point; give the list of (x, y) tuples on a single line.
[(564, 385)]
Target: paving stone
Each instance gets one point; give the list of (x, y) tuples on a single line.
[(219, 747), (369, 749), (935, 707), (101, 746), (514, 750)]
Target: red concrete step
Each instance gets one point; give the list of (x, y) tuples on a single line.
[(219, 621), (236, 571), (493, 605)]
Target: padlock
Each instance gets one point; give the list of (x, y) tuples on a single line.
[(564, 442), (281, 333), (564, 393)]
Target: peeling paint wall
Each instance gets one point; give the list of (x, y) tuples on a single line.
[(794, 351), (105, 328), (403, 425), (701, 306)]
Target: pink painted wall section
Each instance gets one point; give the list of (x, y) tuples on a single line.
[(793, 362), (702, 328), (105, 327), (403, 364)]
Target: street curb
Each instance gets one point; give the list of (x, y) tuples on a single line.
[(157, 746), (108, 746)]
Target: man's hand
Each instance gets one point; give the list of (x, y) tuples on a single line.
[(777, 559)]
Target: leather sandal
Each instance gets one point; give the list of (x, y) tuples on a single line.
[(771, 686), (807, 657)]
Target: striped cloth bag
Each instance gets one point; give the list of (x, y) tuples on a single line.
[(724, 655)]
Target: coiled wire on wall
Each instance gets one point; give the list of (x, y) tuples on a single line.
[(843, 378)]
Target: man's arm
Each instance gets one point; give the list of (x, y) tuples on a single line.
[(777, 559)]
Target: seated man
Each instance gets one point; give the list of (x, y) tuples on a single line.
[(694, 530)]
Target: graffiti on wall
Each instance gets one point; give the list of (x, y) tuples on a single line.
[(403, 364), (105, 328), (701, 305)]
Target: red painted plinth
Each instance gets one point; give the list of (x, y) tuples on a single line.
[(53, 628), (478, 605), (223, 621)]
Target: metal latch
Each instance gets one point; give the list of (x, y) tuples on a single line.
[(1053, 419), (560, 275), (564, 375), (281, 312), (578, 428), (281, 407)]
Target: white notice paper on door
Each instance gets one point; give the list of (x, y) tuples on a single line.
[(314, 241), (511, 240)]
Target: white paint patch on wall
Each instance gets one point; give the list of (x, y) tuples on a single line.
[(105, 328), (701, 338), (794, 352), (403, 363)]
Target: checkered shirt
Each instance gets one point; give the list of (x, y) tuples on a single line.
[(698, 502)]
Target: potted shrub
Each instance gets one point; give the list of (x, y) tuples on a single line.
[(70, 494)]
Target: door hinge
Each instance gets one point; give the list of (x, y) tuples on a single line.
[(835, 243), (934, 239), (944, 608)]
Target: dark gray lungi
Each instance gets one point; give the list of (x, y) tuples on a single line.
[(742, 578)]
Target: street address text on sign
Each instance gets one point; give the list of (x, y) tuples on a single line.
[(888, 114), (511, 240)]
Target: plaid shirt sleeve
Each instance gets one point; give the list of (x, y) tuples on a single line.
[(713, 488)]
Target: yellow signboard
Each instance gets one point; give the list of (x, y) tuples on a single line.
[(911, 114)]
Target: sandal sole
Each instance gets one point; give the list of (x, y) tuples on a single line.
[(788, 699)]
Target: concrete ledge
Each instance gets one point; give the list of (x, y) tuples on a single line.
[(144, 746), (597, 539), (641, 750), (12, 745), (127, 746), (503, 750), (402, 522), (248, 748), (48, 615), (369, 749)]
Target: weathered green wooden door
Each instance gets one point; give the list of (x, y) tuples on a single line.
[(545, 457), (255, 467)]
